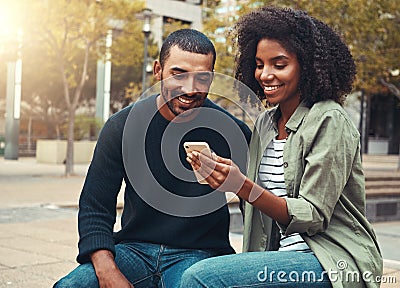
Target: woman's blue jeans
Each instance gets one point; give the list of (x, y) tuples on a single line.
[(257, 269), (143, 264)]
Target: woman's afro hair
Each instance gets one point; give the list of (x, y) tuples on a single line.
[(327, 67)]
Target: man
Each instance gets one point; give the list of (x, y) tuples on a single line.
[(167, 225)]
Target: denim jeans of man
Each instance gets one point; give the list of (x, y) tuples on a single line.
[(143, 264), (257, 269)]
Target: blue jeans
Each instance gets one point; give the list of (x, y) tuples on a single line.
[(143, 264), (257, 269)]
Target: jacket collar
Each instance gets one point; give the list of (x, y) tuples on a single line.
[(297, 117), (294, 121)]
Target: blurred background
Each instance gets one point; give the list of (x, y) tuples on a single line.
[(67, 65)]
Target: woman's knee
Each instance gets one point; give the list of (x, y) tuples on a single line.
[(194, 275)]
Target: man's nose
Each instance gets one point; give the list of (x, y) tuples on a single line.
[(189, 86)]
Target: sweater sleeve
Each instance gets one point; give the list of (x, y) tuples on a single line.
[(97, 203)]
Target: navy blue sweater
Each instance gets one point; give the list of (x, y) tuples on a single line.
[(147, 215)]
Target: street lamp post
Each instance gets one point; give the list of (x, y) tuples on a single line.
[(103, 82), (146, 16), (13, 106)]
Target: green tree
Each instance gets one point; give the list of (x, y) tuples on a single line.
[(370, 28), (41, 97), (216, 27), (73, 31)]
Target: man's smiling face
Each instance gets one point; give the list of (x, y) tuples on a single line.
[(186, 78)]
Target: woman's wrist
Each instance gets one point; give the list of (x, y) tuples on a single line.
[(250, 191)]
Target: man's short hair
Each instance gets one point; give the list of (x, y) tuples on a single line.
[(188, 40)]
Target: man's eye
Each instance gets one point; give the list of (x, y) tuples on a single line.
[(179, 76), (203, 79), (259, 66)]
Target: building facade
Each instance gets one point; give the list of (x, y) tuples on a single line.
[(164, 11)]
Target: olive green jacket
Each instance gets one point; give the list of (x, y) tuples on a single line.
[(326, 192)]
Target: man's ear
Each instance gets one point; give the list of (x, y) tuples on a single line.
[(157, 70)]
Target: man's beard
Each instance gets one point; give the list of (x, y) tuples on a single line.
[(168, 102), (174, 95)]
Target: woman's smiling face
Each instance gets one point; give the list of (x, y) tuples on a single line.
[(278, 73)]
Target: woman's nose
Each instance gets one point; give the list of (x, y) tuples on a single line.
[(267, 74)]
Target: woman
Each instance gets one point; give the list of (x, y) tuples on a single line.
[(304, 192)]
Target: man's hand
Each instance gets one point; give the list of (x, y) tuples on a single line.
[(107, 271)]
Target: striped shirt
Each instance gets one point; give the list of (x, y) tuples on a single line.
[(272, 178)]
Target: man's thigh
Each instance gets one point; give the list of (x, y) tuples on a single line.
[(135, 261), (139, 263), (176, 261), (82, 276)]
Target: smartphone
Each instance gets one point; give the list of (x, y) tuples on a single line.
[(200, 147)]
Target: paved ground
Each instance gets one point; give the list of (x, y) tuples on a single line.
[(38, 229)]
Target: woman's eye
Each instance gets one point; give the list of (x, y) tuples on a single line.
[(280, 67)]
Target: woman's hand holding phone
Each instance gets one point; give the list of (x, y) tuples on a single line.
[(220, 173), (198, 147)]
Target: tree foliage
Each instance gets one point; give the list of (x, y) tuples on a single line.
[(71, 34), (370, 28)]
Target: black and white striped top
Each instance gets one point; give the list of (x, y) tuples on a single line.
[(272, 178)]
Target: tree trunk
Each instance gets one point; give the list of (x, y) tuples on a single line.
[(58, 131), (69, 161), (69, 157)]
